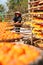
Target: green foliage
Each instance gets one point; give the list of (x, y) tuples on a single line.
[(2, 8), (21, 5)]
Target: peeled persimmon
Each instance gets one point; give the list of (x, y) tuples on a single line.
[(17, 54), (17, 62), (26, 59), (8, 35), (18, 50)]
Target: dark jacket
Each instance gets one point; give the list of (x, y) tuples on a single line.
[(17, 19)]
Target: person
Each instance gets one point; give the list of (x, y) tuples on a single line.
[(17, 19)]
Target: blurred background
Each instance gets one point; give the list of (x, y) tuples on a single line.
[(13, 5), (8, 8)]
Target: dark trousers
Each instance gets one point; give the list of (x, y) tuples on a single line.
[(17, 29)]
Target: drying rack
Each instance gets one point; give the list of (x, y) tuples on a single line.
[(27, 34)]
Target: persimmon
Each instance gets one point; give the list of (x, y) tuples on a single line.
[(1, 44), (17, 62), (26, 59), (1, 63), (8, 35), (25, 47), (2, 55), (17, 54), (18, 50)]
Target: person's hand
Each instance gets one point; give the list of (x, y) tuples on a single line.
[(17, 22)]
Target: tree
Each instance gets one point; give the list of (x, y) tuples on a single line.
[(2, 8), (11, 5), (21, 5)]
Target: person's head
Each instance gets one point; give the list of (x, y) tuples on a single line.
[(17, 13)]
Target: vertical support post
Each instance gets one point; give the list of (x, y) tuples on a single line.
[(28, 6), (31, 26)]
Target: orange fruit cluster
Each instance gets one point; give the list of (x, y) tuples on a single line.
[(8, 35), (38, 26), (5, 25), (39, 35), (38, 30), (17, 54), (5, 33)]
